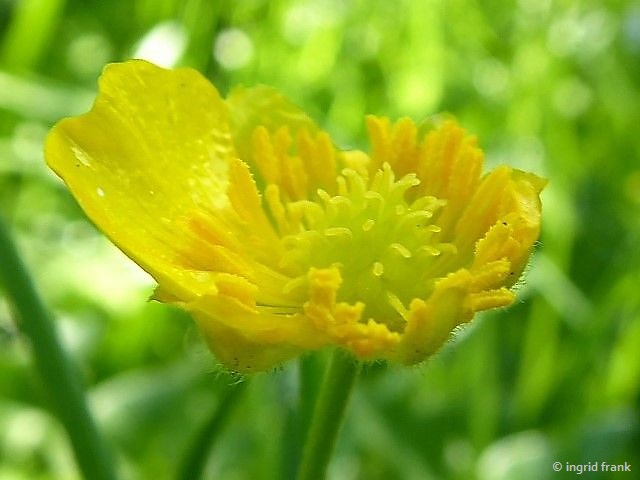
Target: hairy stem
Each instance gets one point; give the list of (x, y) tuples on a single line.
[(329, 412)]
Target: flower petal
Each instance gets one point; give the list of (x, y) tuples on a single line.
[(155, 146), (430, 322), (239, 354)]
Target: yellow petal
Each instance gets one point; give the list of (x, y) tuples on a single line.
[(483, 210), (431, 321), (525, 217), (155, 145), (236, 352)]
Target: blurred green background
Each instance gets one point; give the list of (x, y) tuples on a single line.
[(548, 86)]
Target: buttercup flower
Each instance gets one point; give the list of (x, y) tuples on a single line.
[(276, 242)]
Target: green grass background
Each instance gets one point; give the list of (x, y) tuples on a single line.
[(548, 86)]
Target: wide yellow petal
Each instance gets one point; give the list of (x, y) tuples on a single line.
[(155, 146)]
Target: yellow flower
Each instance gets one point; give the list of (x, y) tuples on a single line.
[(249, 218)]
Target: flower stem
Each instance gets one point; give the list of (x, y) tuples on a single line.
[(193, 465), (59, 375), (327, 417), (299, 412)]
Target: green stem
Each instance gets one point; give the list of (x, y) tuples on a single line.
[(311, 369), (328, 414), (59, 375), (299, 411), (194, 462)]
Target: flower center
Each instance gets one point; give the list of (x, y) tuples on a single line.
[(382, 243)]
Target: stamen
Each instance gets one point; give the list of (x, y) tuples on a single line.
[(401, 249), (338, 232), (368, 230), (397, 305)]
